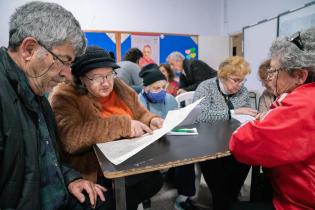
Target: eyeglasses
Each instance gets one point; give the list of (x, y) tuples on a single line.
[(56, 57), (237, 81), (296, 39), (100, 78), (272, 72)]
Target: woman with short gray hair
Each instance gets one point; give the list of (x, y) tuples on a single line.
[(282, 139)]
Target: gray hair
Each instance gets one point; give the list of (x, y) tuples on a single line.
[(176, 56), (292, 56), (48, 23)]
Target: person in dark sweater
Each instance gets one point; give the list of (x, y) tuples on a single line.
[(193, 72)]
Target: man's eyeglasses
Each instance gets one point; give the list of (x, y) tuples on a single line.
[(56, 57), (296, 39), (99, 79), (237, 81)]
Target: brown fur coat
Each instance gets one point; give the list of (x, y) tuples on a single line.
[(81, 126)]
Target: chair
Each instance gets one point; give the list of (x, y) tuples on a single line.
[(185, 99), (253, 99)]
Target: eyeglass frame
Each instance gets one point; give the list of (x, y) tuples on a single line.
[(106, 77), (296, 39), (240, 82), (65, 63), (272, 72)]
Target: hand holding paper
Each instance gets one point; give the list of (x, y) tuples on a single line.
[(119, 151), (138, 128)]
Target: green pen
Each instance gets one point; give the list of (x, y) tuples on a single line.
[(183, 130)]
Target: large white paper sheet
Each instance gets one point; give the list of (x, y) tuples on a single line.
[(242, 117), (120, 150)]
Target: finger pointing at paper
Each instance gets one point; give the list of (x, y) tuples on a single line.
[(156, 123)]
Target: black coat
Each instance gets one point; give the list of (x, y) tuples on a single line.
[(196, 71), (19, 146)]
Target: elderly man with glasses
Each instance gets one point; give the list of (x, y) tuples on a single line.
[(44, 39)]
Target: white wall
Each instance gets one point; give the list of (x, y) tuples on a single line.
[(211, 19), (241, 13), (200, 17), (213, 49), (168, 16)]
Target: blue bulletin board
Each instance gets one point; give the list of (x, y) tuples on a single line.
[(125, 44), (186, 44), (101, 39)]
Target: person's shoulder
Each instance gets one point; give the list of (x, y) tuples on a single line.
[(304, 93), (209, 83), (170, 97), (243, 90), (140, 96), (63, 90), (171, 100), (197, 62)]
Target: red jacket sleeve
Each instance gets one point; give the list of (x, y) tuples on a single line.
[(285, 135)]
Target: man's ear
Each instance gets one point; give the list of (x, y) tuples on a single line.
[(301, 76), (28, 48)]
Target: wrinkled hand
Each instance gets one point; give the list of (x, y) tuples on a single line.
[(156, 123), (260, 116), (99, 190), (78, 186), (180, 91), (138, 128), (246, 110)]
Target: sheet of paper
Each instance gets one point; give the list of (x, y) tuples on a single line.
[(192, 117), (242, 117), (120, 150)]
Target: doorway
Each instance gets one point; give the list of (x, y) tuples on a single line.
[(236, 44)]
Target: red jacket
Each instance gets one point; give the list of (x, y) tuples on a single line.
[(284, 141)]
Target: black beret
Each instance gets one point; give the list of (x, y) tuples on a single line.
[(94, 57), (150, 74)]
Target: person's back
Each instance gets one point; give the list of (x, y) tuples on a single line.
[(192, 72), (129, 73), (195, 71)]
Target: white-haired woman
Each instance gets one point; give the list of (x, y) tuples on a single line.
[(283, 138)]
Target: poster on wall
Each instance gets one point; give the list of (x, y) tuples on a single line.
[(150, 47)]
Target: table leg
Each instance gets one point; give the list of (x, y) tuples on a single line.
[(120, 193)]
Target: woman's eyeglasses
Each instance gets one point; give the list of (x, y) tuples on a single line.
[(271, 72), (101, 78), (238, 81)]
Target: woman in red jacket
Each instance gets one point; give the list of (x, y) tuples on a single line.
[(283, 139)]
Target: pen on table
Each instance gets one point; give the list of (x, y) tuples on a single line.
[(183, 130)]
